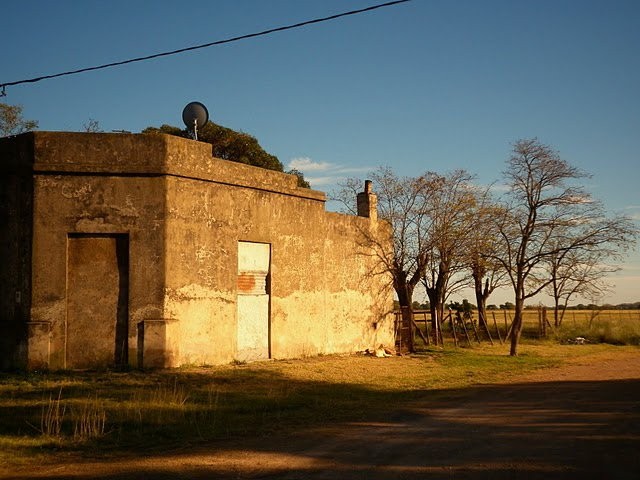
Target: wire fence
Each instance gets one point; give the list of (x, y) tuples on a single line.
[(463, 329)]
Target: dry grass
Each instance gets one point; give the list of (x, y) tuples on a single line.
[(134, 413), (616, 327), (52, 416), (90, 420)]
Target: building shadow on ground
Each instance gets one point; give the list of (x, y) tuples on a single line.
[(529, 430)]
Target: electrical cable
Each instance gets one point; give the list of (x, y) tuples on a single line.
[(204, 45)]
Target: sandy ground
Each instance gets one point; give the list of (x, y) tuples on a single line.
[(580, 421)]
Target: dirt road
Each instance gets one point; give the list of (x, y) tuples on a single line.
[(580, 421)]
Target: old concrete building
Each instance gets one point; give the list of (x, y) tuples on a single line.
[(144, 250)]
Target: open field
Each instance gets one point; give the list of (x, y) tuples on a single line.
[(617, 327), (116, 419)]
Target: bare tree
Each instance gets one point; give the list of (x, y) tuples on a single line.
[(540, 202), (487, 273), (92, 126), (572, 276), (546, 217), (400, 202), (583, 256), (11, 121), (447, 213), (430, 217)]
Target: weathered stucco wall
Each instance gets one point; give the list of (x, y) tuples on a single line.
[(108, 205), (181, 215), (333, 302), (323, 298), (16, 218), (72, 193)]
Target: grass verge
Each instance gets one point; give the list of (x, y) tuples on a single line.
[(119, 414)]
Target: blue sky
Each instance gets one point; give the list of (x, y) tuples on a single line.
[(427, 85)]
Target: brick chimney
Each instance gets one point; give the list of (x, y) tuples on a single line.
[(368, 202)]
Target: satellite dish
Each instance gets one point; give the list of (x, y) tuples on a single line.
[(195, 115)]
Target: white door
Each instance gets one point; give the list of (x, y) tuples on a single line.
[(253, 301)]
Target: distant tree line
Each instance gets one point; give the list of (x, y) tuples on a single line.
[(605, 306), (466, 305), (511, 306)]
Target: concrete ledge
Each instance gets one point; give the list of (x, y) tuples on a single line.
[(152, 154)]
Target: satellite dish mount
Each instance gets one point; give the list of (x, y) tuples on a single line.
[(195, 115)]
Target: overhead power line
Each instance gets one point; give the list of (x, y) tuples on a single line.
[(204, 45)]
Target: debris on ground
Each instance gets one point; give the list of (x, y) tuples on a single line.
[(578, 341), (380, 352)]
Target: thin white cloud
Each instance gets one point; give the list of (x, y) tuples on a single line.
[(578, 199), (320, 181), (306, 164), (330, 173), (634, 215), (499, 187), (353, 169)]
